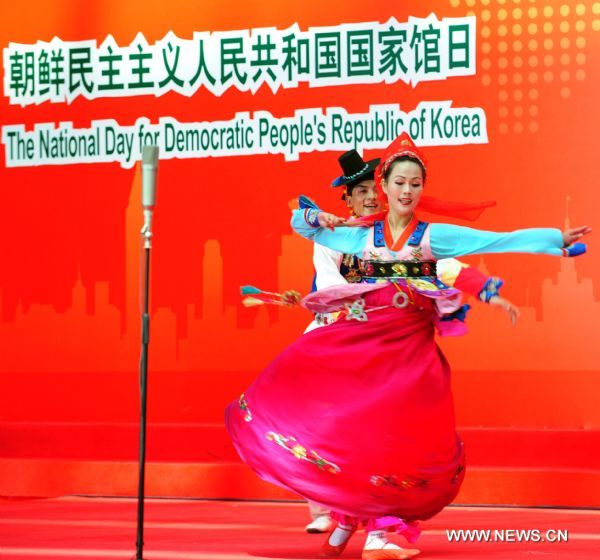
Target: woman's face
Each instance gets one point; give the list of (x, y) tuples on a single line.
[(364, 200), (404, 187)]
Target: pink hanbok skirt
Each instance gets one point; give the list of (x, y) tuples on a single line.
[(358, 416)]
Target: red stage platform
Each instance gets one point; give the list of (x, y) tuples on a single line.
[(523, 447), (105, 528)]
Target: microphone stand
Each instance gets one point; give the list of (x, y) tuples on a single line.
[(146, 234)]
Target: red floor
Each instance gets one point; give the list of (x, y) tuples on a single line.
[(98, 528)]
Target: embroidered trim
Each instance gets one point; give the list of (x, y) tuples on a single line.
[(396, 155), (351, 268), (350, 177), (574, 250), (400, 483), (417, 235), (311, 217), (460, 314), (417, 253), (378, 234), (399, 269), (291, 444), (305, 202), (457, 473), (323, 319), (490, 289), (243, 403)]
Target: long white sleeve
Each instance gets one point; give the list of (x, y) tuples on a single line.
[(327, 267)]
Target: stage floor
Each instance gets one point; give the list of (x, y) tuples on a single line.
[(98, 528)]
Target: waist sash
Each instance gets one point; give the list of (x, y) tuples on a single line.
[(399, 269)]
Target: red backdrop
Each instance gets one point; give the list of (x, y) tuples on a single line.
[(69, 234)]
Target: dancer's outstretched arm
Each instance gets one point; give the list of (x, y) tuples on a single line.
[(447, 240), (454, 241), (320, 227)]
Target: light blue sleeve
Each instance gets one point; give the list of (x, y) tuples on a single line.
[(348, 240), (455, 241)]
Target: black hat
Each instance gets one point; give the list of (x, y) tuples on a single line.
[(355, 169)]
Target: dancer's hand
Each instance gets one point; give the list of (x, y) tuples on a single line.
[(327, 220), (574, 234), (511, 309), (291, 297)]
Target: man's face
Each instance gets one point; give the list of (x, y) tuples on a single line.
[(364, 200)]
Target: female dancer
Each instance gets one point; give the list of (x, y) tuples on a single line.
[(359, 416), (333, 268)]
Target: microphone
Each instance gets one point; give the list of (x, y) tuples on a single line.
[(149, 169)]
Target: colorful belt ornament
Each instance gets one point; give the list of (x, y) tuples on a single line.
[(399, 269)]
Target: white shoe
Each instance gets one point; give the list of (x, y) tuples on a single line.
[(321, 524)]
